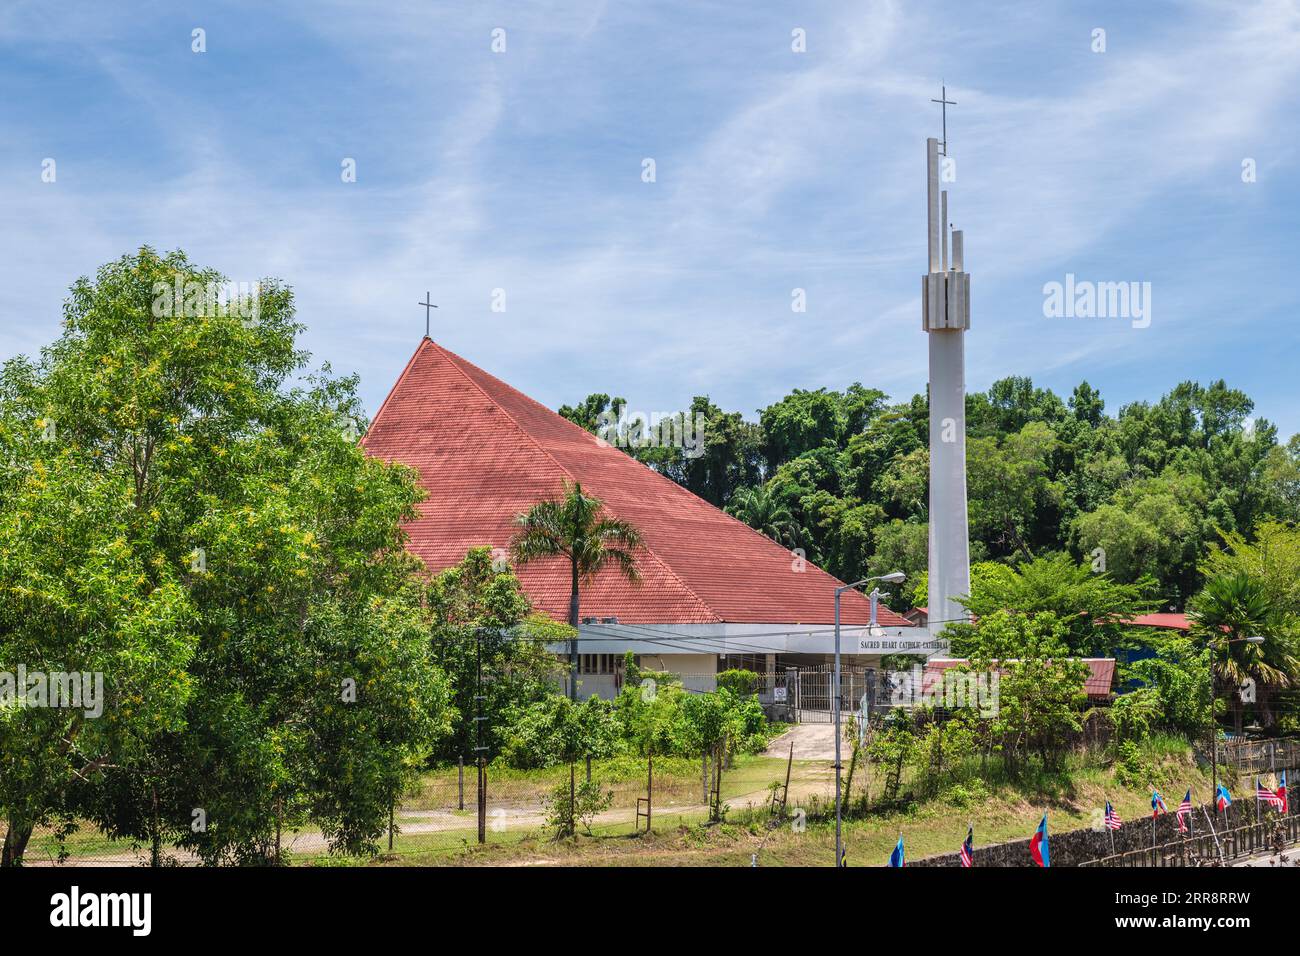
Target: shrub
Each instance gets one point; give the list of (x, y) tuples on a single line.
[(1130, 771), (742, 683), (563, 814)]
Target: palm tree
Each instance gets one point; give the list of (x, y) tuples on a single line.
[(1229, 609), (574, 527), (766, 514)]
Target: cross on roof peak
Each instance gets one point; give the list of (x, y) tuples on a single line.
[(427, 306)]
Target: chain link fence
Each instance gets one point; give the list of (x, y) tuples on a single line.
[(444, 816)]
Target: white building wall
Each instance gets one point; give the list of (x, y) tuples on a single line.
[(698, 671)]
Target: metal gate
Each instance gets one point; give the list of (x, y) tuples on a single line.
[(809, 692)]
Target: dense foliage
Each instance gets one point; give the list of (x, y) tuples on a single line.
[(185, 510), (1142, 494)]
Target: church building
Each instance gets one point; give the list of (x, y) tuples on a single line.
[(714, 593)]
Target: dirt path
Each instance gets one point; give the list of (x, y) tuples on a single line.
[(811, 742)]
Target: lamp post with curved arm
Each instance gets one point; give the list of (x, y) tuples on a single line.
[(893, 577), (1214, 729)]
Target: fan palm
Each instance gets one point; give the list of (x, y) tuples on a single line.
[(1229, 609), (766, 514), (576, 528)]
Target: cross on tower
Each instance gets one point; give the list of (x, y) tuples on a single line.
[(944, 103), (427, 306)]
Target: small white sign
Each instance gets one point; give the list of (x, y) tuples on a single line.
[(778, 694)]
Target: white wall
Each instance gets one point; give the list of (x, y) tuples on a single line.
[(698, 671)]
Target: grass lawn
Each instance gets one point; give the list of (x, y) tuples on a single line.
[(999, 810), (84, 844), (432, 831)]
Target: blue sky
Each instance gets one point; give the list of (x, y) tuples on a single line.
[(775, 170)]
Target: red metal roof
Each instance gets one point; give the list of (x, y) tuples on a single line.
[(1097, 685), (1177, 622), (486, 453)]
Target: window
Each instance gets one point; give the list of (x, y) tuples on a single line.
[(597, 663)]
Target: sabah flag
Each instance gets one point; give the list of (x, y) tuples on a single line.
[(896, 858), (1157, 804), (1281, 792), (1223, 799), (1038, 845)]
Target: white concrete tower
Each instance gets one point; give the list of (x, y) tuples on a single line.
[(945, 317)]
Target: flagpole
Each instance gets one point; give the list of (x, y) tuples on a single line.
[(1213, 833)]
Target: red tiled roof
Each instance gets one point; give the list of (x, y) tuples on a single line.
[(486, 453), (1098, 684)]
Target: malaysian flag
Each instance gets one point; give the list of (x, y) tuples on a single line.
[(1184, 810), (1268, 796), (1113, 822), (968, 848)]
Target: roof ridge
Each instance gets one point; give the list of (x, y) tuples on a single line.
[(454, 359), (396, 386)]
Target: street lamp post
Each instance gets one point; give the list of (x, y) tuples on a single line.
[(1214, 730), (894, 577)]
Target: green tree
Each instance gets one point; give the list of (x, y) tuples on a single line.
[(1094, 609), (576, 529), (1040, 689), (1011, 489), (296, 623), (483, 621), (1281, 478), (1086, 405), (802, 421), (1175, 679), (1230, 609), (75, 598), (1271, 557), (1156, 527), (705, 722), (766, 514)]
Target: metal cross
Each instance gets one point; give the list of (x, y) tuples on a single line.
[(944, 103), (427, 306)]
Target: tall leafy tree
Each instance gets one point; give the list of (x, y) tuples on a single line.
[(801, 422), (576, 528), (483, 625), (766, 514), (1231, 608), (76, 599), (299, 651), (1093, 609), (1040, 690)]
